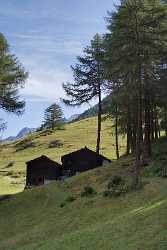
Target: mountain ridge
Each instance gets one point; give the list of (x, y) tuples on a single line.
[(23, 132)]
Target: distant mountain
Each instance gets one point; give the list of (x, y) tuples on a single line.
[(73, 118), (94, 110), (25, 131)]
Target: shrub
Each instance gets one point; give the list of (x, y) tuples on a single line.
[(46, 132), (9, 173), (70, 199), (67, 200), (55, 144), (164, 172), (115, 181), (88, 191), (116, 187), (10, 164), (62, 204), (24, 144), (160, 170), (106, 193)]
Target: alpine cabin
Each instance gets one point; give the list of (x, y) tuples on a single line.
[(42, 170), (82, 160)]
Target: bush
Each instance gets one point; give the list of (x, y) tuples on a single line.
[(70, 199), (116, 187), (46, 132), (88, 191), (115, 192), (62, 204), (67, 200), (115, 181), (15, 174), (10, 164), (24, 144), (160, 171), (164, 172), (55, 144)]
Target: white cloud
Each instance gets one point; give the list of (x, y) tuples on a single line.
[(48, 44), (45, 59), (45, 86)]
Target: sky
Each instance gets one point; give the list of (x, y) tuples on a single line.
[(47, 36)]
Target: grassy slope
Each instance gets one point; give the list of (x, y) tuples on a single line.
[(34, 219), (73, 137)]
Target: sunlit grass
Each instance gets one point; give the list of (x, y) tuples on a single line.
[(34, 219), (74, 136)]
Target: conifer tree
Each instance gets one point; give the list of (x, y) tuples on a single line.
[(135, 45), (53, 117), (12, 78), (88, 80)]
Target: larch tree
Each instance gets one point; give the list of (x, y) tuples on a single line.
[(88, 80), (135, 43), (53, 117), (12, 78)]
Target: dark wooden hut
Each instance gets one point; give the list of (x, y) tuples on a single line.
[(82, 160), (42, 170)]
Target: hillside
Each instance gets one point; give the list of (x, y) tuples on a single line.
[(53, 144), (93, 111), (36, 219)]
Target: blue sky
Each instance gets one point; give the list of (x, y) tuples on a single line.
[(47, 36)]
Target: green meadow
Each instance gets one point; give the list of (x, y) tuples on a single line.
[(36, 219), (58, 217), (13, 156)]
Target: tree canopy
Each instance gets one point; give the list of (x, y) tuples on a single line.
[(12, 78), (53, 117), (88, 83)]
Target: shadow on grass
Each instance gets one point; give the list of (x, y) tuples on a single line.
[(24, 144), (4, 197), (55, 144)]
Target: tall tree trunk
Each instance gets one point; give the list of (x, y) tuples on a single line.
[(129, 133), (147, 129), (152, 124), (99, 121), (138, 148), (165, 122), (128, 143), (134, 138), (137, 164), (156, 123), (116, 134)]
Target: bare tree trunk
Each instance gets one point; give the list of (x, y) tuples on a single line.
[(147, 129), (99, 121), (137, 164), (128, 140), (116, 134), (156, 123), (138, 149), (165, 122), (129, 134), (152, 124), (134, 139)]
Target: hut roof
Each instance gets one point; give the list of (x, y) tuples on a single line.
[(85, 150), (44, 158)]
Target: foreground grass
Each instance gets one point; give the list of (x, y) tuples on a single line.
[(74, 136), (34, 219)]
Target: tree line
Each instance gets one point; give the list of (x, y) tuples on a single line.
[(129, 63)]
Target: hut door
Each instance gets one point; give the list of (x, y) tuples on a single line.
[(40, 180)]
